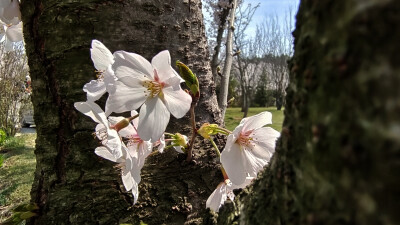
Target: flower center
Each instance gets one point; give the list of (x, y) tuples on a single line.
[(245, 139), (101, 134), (154, 87), (134, 139)]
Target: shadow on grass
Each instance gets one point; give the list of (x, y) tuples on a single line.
[(16, 173)]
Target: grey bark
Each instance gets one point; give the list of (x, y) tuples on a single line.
[(337, 160), (74, 186)]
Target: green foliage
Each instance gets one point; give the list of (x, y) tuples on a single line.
[(3, 136), (1, 161)]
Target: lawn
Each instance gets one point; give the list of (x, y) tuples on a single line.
[(16, 173), (233, 117)]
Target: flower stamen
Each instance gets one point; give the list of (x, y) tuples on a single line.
[(245, 139), (99, 75)]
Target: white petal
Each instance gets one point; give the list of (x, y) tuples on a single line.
[(217, 198), (135, 121), (257, 121), (261, 151), (92, 110), (131, 64), (265, 138), (105, 153), (124, 99), (175, 82), (135, 193), (128, 131), (179, 149), (232, 160), (14, 33), (161, 144), (114, 143), (144, 150), (153, 119), (178, 102), (109, 80), (162, 63), (94, 90), (102, 57), (245, 184), (127, 178)]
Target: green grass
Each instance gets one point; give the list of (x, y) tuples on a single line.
[(16, 173), (233, 117)]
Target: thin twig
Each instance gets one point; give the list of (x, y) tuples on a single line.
[(194, 129)]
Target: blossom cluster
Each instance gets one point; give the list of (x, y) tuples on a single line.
[(131, 83), (153, 88), (10, 23)]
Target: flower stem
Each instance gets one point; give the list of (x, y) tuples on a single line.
[(219, 155), (194, 129), (224, 131), (215, 147)]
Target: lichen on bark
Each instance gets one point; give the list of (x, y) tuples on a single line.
[(337, 157)]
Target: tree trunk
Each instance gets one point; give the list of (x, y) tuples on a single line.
[(337, 160), (223, 94), (224, 12), (74, 186)]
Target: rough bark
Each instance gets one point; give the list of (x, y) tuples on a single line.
[(337, 161), (74, 186)]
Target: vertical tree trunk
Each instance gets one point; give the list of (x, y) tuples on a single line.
[(337, 160), (72, 184), (223, 94), (224, 12)]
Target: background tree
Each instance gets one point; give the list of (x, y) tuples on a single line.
[(246, 62), (337, 159), (224, 86), (14, 93), (72, 184)]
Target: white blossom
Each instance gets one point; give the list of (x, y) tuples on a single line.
[(249, 148), (154, 87), (104, 131), (102, 59), (224, 191)]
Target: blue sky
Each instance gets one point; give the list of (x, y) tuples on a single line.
[(270, 7)]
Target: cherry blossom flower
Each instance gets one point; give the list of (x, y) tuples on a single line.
[(133, 155), (129, 173), (249, 148), (138, 148), (224, 191), (154, 87), (104, 131), (102, 59)]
